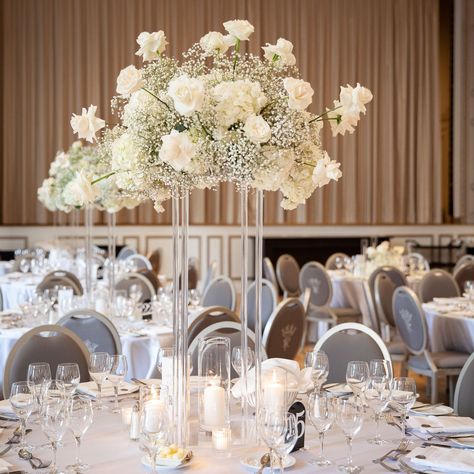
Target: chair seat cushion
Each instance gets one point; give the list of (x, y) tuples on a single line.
[(442, 360), (347, 314), (396, 347)]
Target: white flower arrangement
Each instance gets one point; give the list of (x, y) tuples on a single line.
[(220, 116)]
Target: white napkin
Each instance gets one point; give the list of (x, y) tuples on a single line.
[(6, 409), (90, 388), (442, 424), (445, 459), (5, 466)]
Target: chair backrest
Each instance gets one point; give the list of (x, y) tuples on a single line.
[(437, 283), (125, 252), (350, 341), (463, 274), (151, 275), (155, 260), (331, 261), (209, 316), (230, 329), (285, 329), (60, 278), (269, 273), (140, 261), (193, 274), (96, 330), (462, 261), (220, 292), (287, 270), (410, 319), (384, 288), (315, 277), (55, 346), (269, 302), (132, 278), (463, 405)]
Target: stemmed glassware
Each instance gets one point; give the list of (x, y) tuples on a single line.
[(377, 396), (321, 413), (273, 428), (23, 402), (349, 416), (319, 363), (99, 368), (135, 292), (357, 377), (79, 421), (403, 398), (38, 381), (288, 443), (237, 359), (118, 371), (339, 262), (194, 298), (68, 377)]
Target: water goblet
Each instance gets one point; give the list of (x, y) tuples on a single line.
[(380, 369), (339, 262), (349, 417), (79, 421), (272, 425), (283, 449), (377, 396), (99, 368), (39, 380), (118, 371), (194, 298), (68, 377), (22, 402), (357, 376), (24, 265), (319, 363), (403, 398), (237, 356), (321, 414), (135, 292)]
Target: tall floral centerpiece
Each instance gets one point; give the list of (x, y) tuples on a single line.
[(216, 116)]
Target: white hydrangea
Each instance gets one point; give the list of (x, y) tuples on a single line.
[(279, 164), (125, 161), (47, 194)]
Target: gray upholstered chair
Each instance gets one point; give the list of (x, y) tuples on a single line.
[(331, 261), (411, 323), (220, 292), (463, 405), (193, 274), (230, 329), (135, 278), (125, 252), (350, 341), (285, 330), (60, 278), (463, 274), (140, 262), (209, 316), (287, 271), (49, 343), (437, 284), (210, 275), (462, 261), (151, 275), (269, 274), (269, 302), (155, 260), (96, 330)]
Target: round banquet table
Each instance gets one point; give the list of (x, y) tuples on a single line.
[(15, 283)]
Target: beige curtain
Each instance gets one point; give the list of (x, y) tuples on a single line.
[(60, 55)]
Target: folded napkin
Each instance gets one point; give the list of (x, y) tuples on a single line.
[(90, 388), (5, 466), (442, 459), (442, 424), (6, 410)]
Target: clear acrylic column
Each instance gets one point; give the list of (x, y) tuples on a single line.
[(111, 250), (88, 217)]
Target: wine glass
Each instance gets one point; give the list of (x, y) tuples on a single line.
[(381, 370), (348, 264), (118, 371), (79, 421), (68, 377), (22, 401), (403, 398), (99, 368), (289, 440), (357, 376), (469, 291), (39, 380), (135, 293), (377, 396), (319, 363), (339, 262), (272, 429), (237, 359), (194, 298), (54, 425), (321, 415), (349, 417), (24, 265)]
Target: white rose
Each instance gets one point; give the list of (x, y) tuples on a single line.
[(281, 53), (80, 191), (129, 80), (300, 93), (178, 150), (353, 99), (371, 252), (325, 171), (240, 29), (151, 45), (87, 124), (383, 247), (215, 41), (187, 94), (257, 129)]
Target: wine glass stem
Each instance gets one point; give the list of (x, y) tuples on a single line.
[(271, 461), (404, 425), (116, 407), (54, 447), (22, 432), (99, 396), (78, 450), (349, 443), (377, 426), (321, 443)]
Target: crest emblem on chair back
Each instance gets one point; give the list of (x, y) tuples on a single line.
[(60, 278), (220, 292), (269, 273), (463, 274), (315, 277), (410, 320), (132, 278), (463, 405), (269, 300), (384, 288), (287, 270), (285, 329), (437, 284)]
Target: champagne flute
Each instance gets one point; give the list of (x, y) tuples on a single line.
[(68, 377), (79, 421), (403, 398), (319, 363), (23, 403), (377, 396), (357, 376), (321, 415), (272, 430), (237, 354), (39, 380), (99, 368), (118, 371), (349, 416)]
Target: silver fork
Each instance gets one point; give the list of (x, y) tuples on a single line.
[(400, 449)]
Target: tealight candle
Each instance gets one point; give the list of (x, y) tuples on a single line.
[(221, 439), (214, 406)]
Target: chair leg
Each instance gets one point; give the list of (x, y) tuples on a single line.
[(403, 369), (434, 388)]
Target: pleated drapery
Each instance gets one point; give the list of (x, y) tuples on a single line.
[(60, 55)]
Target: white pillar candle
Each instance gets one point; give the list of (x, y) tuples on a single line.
[(274, 395), (214, 406), (126, 415), (153, 413)]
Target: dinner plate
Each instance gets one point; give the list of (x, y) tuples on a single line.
[(253, 463), (440, 410), (159, 467)]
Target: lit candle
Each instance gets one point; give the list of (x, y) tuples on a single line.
[(214, 406), (153, 413), (126, 415), (221, 439), (167, 371), (274, 393)]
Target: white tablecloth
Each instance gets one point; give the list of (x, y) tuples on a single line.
[(13, 284), (6, 267)]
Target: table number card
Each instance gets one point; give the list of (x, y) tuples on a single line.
[(299, 411)]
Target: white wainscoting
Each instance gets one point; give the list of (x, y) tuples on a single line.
[(220, 243)]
